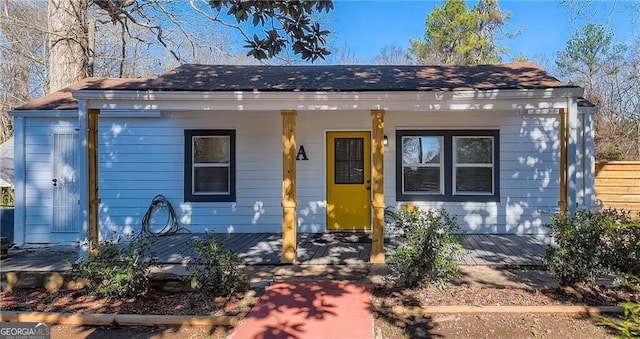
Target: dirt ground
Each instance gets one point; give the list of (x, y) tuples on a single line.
[(506, 326), (437, 326), (510, 288), (109, 332), (387, 323), (184, 303)]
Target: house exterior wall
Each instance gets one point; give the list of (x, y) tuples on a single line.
[(142, 157), (529, 169), (38, 192)]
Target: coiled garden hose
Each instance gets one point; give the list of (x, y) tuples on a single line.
[(159, 202)]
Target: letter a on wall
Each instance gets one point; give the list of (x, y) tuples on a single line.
[(302, 153)]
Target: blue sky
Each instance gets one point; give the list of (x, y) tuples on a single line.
[(544, 26)]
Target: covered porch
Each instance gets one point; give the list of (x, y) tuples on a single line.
[(290, 246), (289, 240)]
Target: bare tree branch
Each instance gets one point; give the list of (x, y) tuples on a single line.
[(179, 26), (216, 19), (22, 58), (159, 36)]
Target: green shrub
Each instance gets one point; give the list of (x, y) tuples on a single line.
[(578, 254), (214, 270), (592, 244), (429, 249), (622, 243), (613, 154), (119, 270)]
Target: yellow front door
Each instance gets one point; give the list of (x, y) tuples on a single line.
[(349, 181)]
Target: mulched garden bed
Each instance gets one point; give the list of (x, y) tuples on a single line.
[(163, 303), (581, 294)]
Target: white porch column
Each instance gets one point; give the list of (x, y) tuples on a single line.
[(19, 182), (572, 159), (589, 158), (83, 175)]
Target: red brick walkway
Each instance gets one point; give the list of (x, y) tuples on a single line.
[(305, 309)]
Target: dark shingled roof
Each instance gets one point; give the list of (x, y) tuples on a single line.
[(63, 99), (337, 78), (343, 78)]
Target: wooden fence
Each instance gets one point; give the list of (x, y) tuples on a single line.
[(618, 184)]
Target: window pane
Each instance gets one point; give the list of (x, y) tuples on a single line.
[(474, 179), (422, 179), (349, 173), (211, 149), (349, 149), (349, 160), (211, 180), (474, 150), (421, 150)]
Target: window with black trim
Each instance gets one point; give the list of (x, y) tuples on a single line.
[(209, 165), (452, 165)]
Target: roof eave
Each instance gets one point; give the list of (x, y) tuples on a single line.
[(44, 113), (485, 100)]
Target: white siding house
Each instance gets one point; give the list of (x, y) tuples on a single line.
[(483, 143)]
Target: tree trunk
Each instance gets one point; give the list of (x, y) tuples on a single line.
[(68, 42), (22, 32)]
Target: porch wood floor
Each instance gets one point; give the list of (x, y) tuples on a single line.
[(351, 248), (321, 249)]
